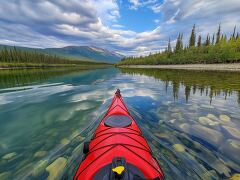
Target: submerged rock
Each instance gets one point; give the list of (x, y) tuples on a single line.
[(65, 141), (231, 148), (74, 134), (207, 121), (212, 116), (5, 175), (39, 167), (211, 136), (56, 168), (224, 118), (40, 154), (233, 131), (80, 138), (235, 177), (221, 168), (78, 150), (185, 127), (9, 156), (209, 175), (172, 121), (179, 147), (162, 135)]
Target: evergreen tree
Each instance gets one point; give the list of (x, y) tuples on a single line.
[(213, 39), (237, 36), (181, 42), (178, 44), (218, 34), (199, 41), (207, 42), (192, 37), (169, 49), (234, 31)]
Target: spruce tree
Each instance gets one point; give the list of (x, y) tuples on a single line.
[(234, 31), (199, 41), (169, 46), (192, 37), (213, 39), (218, 34), (178, 44), (207, 43), (181, 42)]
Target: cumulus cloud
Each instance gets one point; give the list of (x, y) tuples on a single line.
[(57, 23)]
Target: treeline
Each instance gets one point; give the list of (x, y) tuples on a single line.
[(214, 49), (17, 56)]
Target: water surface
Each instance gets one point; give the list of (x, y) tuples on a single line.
[(191, 119)]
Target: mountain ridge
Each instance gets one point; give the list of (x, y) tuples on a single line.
[(85, 53)]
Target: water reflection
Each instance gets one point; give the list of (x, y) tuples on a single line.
[(22, 77), (44, 124), (209, 83)]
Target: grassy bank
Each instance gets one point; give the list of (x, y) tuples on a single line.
[(215, 49)]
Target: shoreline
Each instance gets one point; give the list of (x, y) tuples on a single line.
[(53, 66), (211, 67)]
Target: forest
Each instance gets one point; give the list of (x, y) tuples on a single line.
[(16, 57), (216, 48)]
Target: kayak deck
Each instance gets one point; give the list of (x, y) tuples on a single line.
[(118, 140)]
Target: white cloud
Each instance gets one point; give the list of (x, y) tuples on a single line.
[(56, 23)]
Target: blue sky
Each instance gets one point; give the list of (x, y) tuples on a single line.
[(138, 20), (131, 27)]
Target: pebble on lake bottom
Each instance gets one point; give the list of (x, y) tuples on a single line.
[(65, 141), (9, 156), (224, 118), (40, 154), (212, 116), (39, 167), (205, 132), (235, 177), (207, 121), (233, 131), (56, 168), (185, 127), (5, 175), (178, 147)]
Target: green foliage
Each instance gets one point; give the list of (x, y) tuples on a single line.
[(17, 57), (223, 51), (192, 37)]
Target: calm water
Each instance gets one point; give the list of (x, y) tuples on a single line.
[(191, 119)]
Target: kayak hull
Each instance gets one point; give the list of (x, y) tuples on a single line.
[(118, 135)]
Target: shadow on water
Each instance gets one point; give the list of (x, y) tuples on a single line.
[(209, 83)]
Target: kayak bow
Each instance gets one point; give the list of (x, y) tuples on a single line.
[(117, 149)]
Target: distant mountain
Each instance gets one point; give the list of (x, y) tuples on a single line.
[(88, 53)]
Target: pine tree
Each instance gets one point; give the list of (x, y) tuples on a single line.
[(199, 41), (169, 49), (213, 39), (178, 44), (207, 42), (192, 37), (234, 31), (181, 42), (237, 36), (218, 34)]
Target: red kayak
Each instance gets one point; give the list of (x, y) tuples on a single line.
[(117, 149)]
